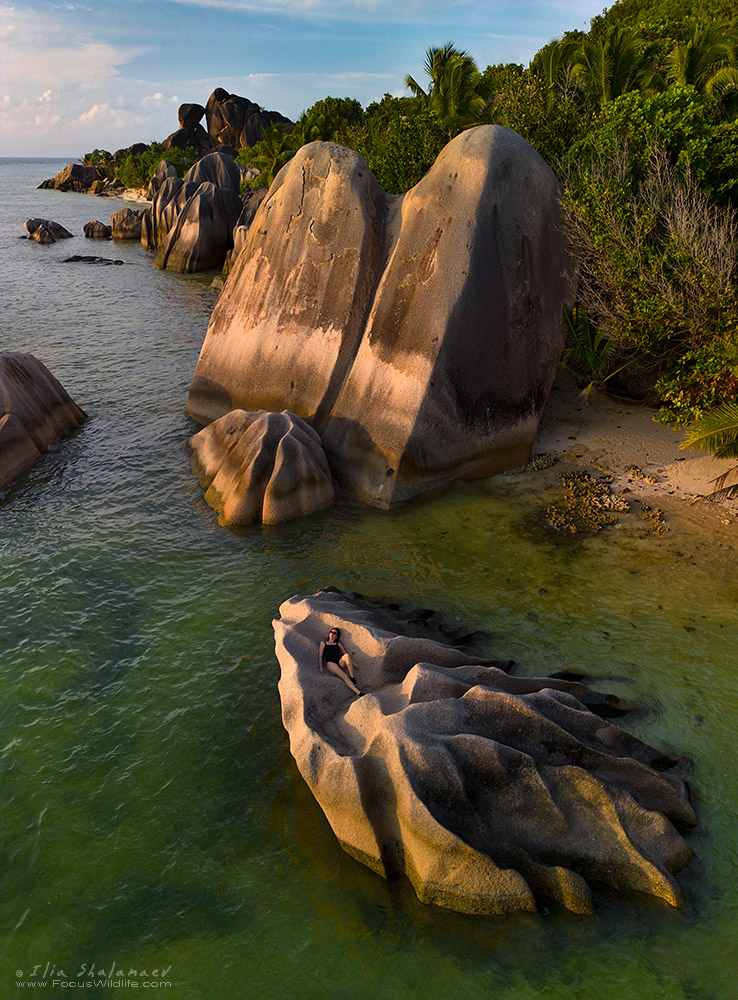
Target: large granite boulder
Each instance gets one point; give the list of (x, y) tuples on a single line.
[(236, 121), (195, 137), (35, 412), (267, 467), (202, 233), (46, 231), (217, 168), (164, 170), (190, 115), (166, 207), (250, 201), (418, 334), (127, 223), (490, 792)]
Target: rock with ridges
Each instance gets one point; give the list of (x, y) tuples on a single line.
[(488, 791), (419, 334), (251, 201), (35, 411), (165, 209), (164, 170), (202, 233), (267, 467), (236, 121), (127, 223), (95, 230), (53, 229), (217, 168)]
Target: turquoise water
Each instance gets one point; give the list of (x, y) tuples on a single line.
[(152, 816)]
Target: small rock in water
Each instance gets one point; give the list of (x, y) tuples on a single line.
[(80, 258)]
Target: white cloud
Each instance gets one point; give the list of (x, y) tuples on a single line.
[(46, 96)]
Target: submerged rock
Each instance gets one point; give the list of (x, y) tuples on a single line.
[(35, 412), (490, 792), (267, 467), (419, 334)]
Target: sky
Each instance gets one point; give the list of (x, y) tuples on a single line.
[(75, 76)]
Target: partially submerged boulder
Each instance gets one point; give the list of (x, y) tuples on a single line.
[(46, 231), (35, 411), (418, 334), (127, 223), (96, 230), (490, 792), (267, 467)]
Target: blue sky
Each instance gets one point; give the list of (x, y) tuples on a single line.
[(107, 73)]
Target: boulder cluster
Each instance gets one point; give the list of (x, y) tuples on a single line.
[(232, 122), (419, 334), (191, 221), (35, 412), (84, 179), (490, 792)]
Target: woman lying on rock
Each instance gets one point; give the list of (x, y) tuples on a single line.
[(333, 656)]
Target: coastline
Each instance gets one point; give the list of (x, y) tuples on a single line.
[(619, 438)]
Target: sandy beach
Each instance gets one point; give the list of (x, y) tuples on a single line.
[(625, 440)]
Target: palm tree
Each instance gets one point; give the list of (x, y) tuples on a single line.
[(457, 94), (723, 87), (697, 60), (270, 154), (614, 64)]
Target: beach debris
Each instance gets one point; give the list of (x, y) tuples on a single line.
[(490, 792), (262, 467), (589, 504), (656, 518)]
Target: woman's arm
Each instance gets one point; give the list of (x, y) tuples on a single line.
[(321, 650)]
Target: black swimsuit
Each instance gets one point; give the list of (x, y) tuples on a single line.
[(332, 653)]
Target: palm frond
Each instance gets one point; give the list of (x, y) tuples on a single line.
[(716, 431)]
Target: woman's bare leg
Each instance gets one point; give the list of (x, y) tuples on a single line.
[(348, 665), (337, 672)]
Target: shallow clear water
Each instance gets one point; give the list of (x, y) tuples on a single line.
[(151, 812)]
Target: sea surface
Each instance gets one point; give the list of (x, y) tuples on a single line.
[(152, 816)]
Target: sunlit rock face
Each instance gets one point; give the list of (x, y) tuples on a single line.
[(418, 334), (266, 467), (35, 412), (490, 792)]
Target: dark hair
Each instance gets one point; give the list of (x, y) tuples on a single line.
[(336, 629)]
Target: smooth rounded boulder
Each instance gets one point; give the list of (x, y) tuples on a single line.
[(35, 412), (46, 231), (262, 467), (418, 334), (491, 792), (95, 230)]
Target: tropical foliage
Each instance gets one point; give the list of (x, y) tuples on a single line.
[(639, 118)]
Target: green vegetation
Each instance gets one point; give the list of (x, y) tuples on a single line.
[(135, 170), (639, 118)]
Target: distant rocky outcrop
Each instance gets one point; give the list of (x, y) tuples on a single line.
[(46, 231), (236, 121), (127, 224), (73, 177), (96, 230), (251, 201), (35, 412), (491, 793), (263, 467), (418, 334)]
